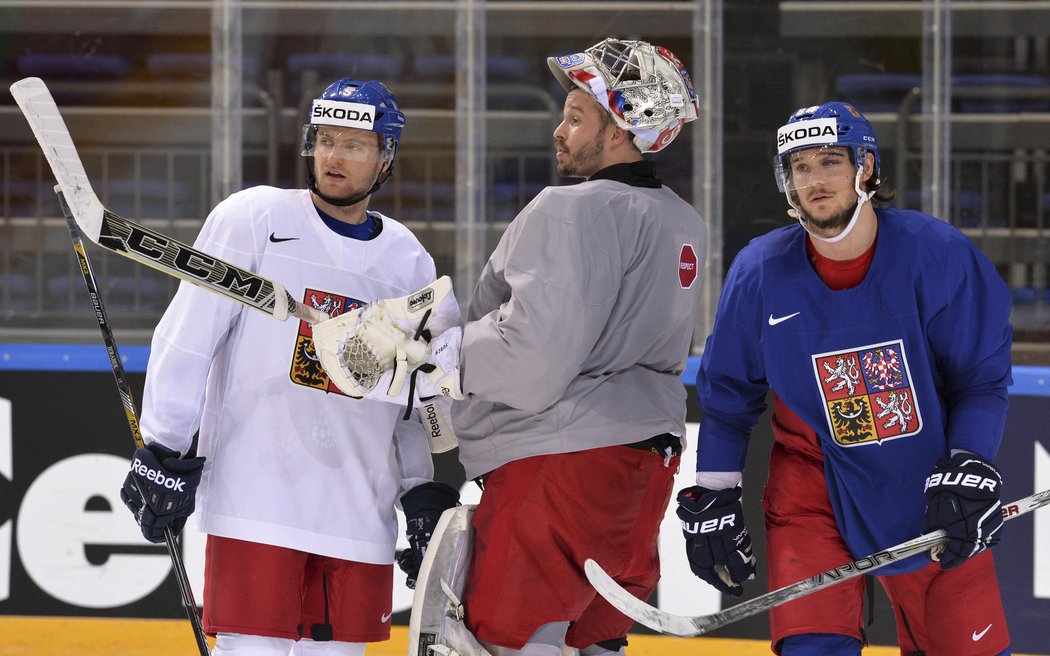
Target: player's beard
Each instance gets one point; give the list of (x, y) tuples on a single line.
[(582, 162), (836, 223)]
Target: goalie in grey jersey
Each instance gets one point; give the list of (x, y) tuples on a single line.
[(573, 410), (296, 481)]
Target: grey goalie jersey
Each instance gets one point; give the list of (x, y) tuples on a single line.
[(580, 325)]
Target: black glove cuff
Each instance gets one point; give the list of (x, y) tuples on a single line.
[(429, 497)]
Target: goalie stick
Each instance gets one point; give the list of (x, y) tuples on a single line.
[(128, 400), (134, 241), (684, 626)]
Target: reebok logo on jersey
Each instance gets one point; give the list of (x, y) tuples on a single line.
[(978, 635), (275, 239), (775, 320), (709, 526), (176, 484)]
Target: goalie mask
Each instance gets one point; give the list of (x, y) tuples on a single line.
[(348, 103), (820, 145), (644, 87)]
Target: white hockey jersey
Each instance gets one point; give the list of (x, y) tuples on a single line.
[(291, 461)]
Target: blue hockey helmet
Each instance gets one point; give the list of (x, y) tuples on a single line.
[(363, 105), (830, 124)]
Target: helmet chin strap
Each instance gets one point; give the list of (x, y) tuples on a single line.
[(862, 197)]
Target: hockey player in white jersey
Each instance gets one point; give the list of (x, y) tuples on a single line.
[(294, 481)]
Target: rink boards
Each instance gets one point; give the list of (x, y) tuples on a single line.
[(68, 550)]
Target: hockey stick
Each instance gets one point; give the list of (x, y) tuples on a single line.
[(681, 625), (132, 416), (127, 238)]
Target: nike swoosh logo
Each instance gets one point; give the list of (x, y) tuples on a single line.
[(978, 636), (385, 617), (278, 240), (774, 321)]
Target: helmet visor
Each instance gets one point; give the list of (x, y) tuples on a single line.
[(343, 143), (814, 168)]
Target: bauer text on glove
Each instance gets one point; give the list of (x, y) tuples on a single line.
[(962, 497), (716, 541)]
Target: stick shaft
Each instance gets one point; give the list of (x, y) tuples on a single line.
[(686, 626), (128, 401)]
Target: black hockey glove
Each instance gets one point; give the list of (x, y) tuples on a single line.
[(169, 484), (423, 506), (716, 540), (962, 497)]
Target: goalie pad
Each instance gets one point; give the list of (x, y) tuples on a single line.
[(372, 351), (436, 627)]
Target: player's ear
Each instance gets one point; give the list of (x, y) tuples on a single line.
[(869, 165)]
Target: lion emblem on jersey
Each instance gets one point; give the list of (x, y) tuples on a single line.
[(306, 367), (868, 395)]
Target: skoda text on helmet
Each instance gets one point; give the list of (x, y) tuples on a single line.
[(828, 125), (645, 88), (353, 104)]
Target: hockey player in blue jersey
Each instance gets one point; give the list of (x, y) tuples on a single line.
[(883, 337)]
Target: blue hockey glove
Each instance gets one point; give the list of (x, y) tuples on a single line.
[(169, 484), (716, 540), (962, 497), (423, 506)]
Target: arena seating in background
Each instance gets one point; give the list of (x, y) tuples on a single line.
[(876, 92), (972, 93), (1004, 102), (148, 198), (498, 69), (73, 67), (193, 66), (75, 78), (325, 68)]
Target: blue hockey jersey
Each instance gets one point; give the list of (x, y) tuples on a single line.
[(891, 374)]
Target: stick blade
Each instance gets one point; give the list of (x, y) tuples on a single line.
[(635, 608), (50, 130)]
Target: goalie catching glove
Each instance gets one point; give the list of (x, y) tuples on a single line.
[(160, 489), (962, 497), (374, 350)]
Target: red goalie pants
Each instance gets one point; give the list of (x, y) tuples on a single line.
[(260, 589), (540, 518), (954, 612)]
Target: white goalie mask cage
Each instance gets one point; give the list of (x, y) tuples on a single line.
[(645, 88)]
